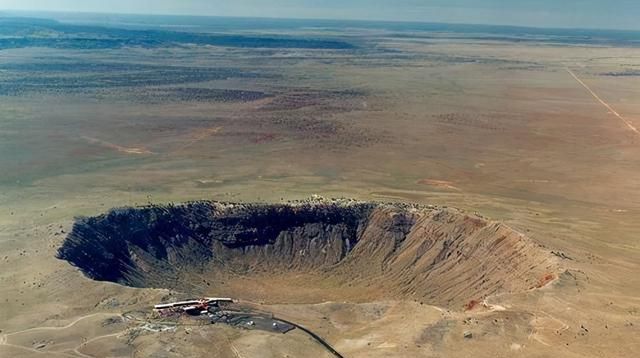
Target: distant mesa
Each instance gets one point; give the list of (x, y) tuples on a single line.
[(440, 256)]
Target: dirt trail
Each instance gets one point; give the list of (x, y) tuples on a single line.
[(201, 135), (77, 349), (61, 327), (45, 353), (3, 338), (119, 148), (628, 123)]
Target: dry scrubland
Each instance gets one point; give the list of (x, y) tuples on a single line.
[(498, 127)]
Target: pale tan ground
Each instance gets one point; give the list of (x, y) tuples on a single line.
[(526, 144)]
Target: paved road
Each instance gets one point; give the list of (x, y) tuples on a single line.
[(605, 104), (314, 336)]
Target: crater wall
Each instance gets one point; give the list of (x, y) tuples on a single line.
[(440, 255)]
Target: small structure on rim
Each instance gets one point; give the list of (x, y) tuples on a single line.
[(192, 307)]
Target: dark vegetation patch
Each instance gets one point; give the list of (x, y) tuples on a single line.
[(62, 65), (301, 98), (78, 78), (326, 133), (310, 115), (191, 94), (470, 121), (514, 34), (625, 73)]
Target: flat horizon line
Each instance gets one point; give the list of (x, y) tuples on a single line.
[(317, 19)]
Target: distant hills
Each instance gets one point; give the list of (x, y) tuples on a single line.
[(18, 32)]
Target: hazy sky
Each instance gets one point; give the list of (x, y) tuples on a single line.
[(621, 14)]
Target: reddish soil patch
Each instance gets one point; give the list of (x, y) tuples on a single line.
[(544, 280), (471, 305), (265, 138)]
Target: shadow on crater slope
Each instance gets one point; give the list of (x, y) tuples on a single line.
[(439, 255)]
